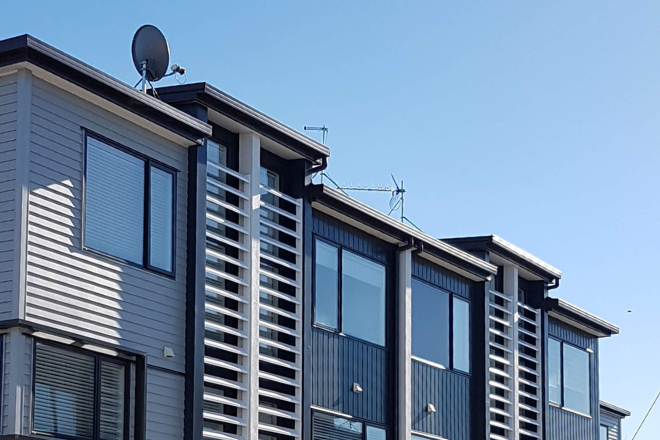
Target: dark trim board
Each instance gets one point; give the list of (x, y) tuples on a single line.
[(585, 321), (615, 410), (26, 48)]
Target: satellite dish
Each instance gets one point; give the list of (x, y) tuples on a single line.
[(151, 53)]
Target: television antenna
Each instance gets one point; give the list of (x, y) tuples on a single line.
[(151, 56), (396, 199), (324, 129)]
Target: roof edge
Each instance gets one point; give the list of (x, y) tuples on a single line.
[(617, 410), (573, 315), (403, 233)]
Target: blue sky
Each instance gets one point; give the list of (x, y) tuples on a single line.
[(537, 121)]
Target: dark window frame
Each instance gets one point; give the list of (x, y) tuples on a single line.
[(607, 431), (339, 331), (562, 405), (365, 423), (98, 358), (146, 229), (451, 296)]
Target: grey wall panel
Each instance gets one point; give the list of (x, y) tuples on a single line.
[(613, 424), (352, 238), (77, 290), (563, 424), (441, 277), (164, 405), (8, 124), (449, 393), (338, 362)]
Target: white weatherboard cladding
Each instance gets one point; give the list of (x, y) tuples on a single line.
[(514, 371)]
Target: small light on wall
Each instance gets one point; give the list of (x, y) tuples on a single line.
[(168, 352), (430, 408), (356, 388)]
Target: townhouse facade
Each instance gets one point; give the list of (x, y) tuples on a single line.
[(169, 270)]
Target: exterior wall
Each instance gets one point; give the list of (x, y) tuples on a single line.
[(338, 361), (91, 295), (613, 424), (560, 423), (17, 382), (8, 142), (448, 391)]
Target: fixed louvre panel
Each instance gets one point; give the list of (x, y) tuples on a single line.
[(113, 386), (161, 219), (64, 392), (114, 201), (328, 427)]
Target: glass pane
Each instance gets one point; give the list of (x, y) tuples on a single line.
[(554, 371), (603, 432), (326, 285), (461, 335), (363, 298), (430, 323), (112, 401), (329, 427), (576, 379), (374, 433), (63, 392), (160, 219), (114, 202), (216, 153)]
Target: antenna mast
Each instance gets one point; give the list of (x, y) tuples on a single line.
[(396, 201), (324, 129)]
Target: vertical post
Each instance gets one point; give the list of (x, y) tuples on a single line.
[(195, 295), (404, 381), (249, 164), (511, 289), (141, 398)]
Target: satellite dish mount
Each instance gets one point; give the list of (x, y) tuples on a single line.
[(151, 56)]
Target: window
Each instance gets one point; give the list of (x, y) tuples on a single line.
[(328, 426), (554, 371), (349, 294), (440, 327), (604, 432), (129, 206), (79, 395), (569, 377)]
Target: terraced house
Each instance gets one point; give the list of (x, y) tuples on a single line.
[(169, 271)]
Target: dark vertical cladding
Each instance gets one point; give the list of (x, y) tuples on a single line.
[(563, 424), (441, 277), (449, 393), (337, 363), (195, 296), (613, 424)]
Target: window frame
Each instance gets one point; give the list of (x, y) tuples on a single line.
[(607, 431), (98, 359), (562, 405), (451, 296), (146, 226), (339, 329), (365, 423)]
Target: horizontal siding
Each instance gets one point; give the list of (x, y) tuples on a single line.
[(164, 405), (79, 291), (351, 238), (449, 393), (441, 277), (562, 424), (8, 144), (337, 363), (612, 422)]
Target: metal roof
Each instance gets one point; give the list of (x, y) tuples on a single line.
[(617, 410), (577, 317)]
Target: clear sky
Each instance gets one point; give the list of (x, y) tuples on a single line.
[(534, 120)]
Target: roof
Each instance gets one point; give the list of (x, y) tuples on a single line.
[(346, 208), (498, 245), (616, 410), (242, 113), (575, 316), (26, 48)]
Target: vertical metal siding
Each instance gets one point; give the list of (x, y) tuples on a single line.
[(338, 362), (612, 422), (562, 424), (441, 277), (450, 395), (8, 124)]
